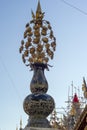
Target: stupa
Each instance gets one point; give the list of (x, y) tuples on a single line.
[(37, 48)]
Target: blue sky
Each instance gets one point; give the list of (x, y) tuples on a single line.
[(69, 63)]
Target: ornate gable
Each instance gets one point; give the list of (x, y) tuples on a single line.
[(82, 121)]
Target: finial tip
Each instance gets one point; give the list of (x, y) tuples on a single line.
[(39, 7)]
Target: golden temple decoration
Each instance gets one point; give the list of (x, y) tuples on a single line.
[(84, 88), (39, 42), (73, 111)]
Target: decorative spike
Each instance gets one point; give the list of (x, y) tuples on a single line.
[(84, 81), (84, 86), (33, 16), (39, 8)]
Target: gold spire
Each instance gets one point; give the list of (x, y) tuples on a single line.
[(39, 14), (39, 7)]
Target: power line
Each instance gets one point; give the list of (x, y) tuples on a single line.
[(76, 8), (10, 78)]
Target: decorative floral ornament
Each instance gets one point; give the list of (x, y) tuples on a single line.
[(39, 42)]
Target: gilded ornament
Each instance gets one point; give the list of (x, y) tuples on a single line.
[(40, 60), (46, 59), (45, 39), (85, 94), (27, 45), (23, 58), (51, 36), (29, 39), (53, 44), (36, 40), (44, 32), (42, 54), (52, 56), (37, 34), (47, 45), (33, 16), (51, 33), (49, 26), (39, 47), (34, 56), (29, 33), (54, 48), (50, 53), (44, 28), (25, 35), (27, 25), (35, 27), (21, 49), (28, 29), (83, 88), (32, 50), (26, 53), (22, 42), (30, 60)]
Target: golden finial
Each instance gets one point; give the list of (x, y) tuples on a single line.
[(39, 10), (39, 42), (39, 14)]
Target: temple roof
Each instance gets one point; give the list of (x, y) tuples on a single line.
[(82, 121)]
